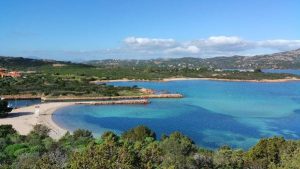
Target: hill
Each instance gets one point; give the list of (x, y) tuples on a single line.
[(21, 63), (283, 60)]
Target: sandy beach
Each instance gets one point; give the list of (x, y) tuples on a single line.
[(23, 119)]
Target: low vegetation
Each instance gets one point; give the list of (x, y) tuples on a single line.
[(4, 109), (153, 72), (41, 84), (137, 148), (75, 79), (156, 69)]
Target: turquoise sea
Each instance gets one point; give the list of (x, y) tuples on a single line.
[(212, 113)]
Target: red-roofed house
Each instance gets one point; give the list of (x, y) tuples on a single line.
[(2, 72), (14, 74)]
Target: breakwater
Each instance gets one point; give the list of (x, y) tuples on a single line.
[(61, 99), (136, 101), (20, 97)]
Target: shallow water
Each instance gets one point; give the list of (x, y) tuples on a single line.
[(212, 113)]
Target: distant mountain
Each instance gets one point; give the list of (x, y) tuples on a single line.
[(20, 63), (283, 60)]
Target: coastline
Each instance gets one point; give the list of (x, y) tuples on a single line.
[(235, 80), (111, 98), (190, 78), (23, 119)]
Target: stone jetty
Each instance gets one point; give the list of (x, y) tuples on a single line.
[(136, 101), (61, 99), (20, 97)]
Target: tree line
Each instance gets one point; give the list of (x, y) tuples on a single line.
[(60, 85), (137, 148)]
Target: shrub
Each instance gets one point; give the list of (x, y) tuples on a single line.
[(139, 133), (4, 109), (6, 130)]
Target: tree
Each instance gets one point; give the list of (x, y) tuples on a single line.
[(178, 151), (81, 133), (38, 134), (291, 160), (56, 159), (127, 157), (5, 130), (82, 137), (40, 130), (108, 135), (151, 156), (96, 156), (26, 161), (267, 152), (4, 109), (225, 157), (139, 133)]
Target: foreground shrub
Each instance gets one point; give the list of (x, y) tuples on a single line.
[(4, 109)]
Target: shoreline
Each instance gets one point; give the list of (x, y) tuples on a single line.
[(112, 98), (234, 80), (95, 98), (191, 78), (23, 119)]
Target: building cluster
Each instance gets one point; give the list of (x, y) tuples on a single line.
[(5, 73)]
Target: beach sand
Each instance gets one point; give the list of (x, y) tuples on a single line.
[(23, 119)]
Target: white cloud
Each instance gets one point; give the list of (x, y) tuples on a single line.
[(145, 48), (223, 43), (280, 44), (221, 40), (149, 43), (212, 46), (184, 49)]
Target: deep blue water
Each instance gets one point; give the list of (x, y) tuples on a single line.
[(212, 113), (290, 71)]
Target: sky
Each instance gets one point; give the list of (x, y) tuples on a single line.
[(142, 29)]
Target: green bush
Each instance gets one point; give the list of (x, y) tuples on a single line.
[(4, 109), (138, 148), (12, 149), (5, 130), (139, 133)]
